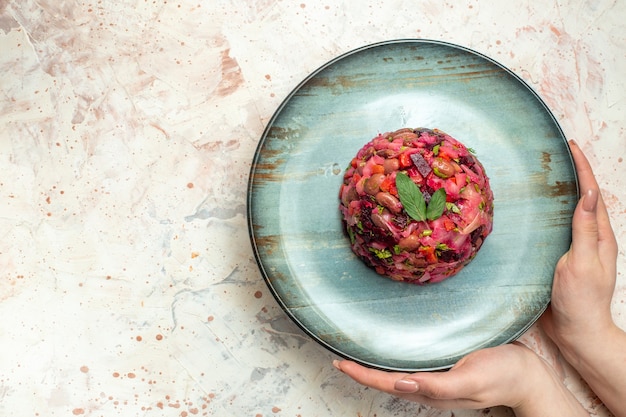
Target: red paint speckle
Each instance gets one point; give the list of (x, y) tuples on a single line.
[(258, 294), (84, 369), (139, 338), (116, 374), (159, 337), (210, 318), (190, 185), (131, 375), (276, 410), (78, 411)]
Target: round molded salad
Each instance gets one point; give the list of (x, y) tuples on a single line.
[(416, 205)]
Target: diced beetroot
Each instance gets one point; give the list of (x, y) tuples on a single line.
[(420, 163)]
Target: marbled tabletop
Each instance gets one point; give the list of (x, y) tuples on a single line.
[(128, 286)]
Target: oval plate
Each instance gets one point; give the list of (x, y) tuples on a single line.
[(296, 229)]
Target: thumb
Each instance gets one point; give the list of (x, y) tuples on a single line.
[(585, 225)]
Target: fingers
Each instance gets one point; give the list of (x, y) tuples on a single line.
[(586, 178), (442, 386), (591, 222), (585, 233), (587, 181), (584, 224), (429, 388), (373, 378), (478, 380), (436, 385)]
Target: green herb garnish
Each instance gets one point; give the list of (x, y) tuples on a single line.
[(437, 204), (381, 253), (411, 197), (413, 201), (453, 208), (351, 235)]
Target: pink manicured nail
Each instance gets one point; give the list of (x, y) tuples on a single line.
[(406, 385), (590, 200)]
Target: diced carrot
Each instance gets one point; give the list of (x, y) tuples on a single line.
[(429, 253), (389, 185), (386, 184), (378, 169)]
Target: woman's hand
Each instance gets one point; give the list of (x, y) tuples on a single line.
[(584, 278), (510, 375), (579, 319)]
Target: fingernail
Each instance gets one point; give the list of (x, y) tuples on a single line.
[(590, 200), (573, 142), (336, 364), (406, 385)]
